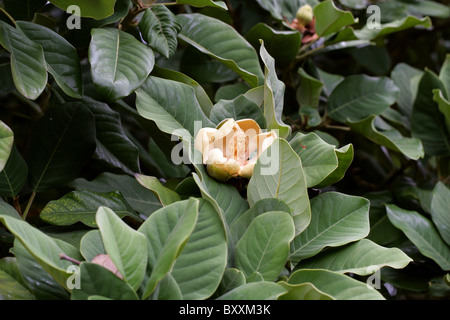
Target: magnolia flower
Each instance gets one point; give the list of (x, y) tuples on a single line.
[(231, 150)]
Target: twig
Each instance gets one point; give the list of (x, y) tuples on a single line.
[(16, 204), (62, 256), (30, 202), (8, 15)]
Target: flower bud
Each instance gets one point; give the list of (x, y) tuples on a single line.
[(304, 15)]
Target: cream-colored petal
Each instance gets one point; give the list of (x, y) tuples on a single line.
[(251, 130), (215, 156), (204, 140), (247, 170), (224, 135), (265, 140)]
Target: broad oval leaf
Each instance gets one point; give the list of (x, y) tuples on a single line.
[(199, 268), (119, 62), (336, 219), (28, 66), (62, 141), (167, 231), (204, 3), (165, 195), (264, 247), (81, 206), (363, 257), (303, 291), (160, 28), (345, 158), (61, 57), (330, 19), (232, 50), (12, 289), (14, 175), (422, 233), (278, 173), (262, 290), (336, 285), (98, 9), (6, 144), (440, 213), (359, 96), (126, 247)]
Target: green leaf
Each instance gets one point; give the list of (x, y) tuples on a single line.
[(407, 79), (422, 233), (11, 289), (44, 249), (278, 173), (284, 9), (141, 199), (62, 141), (388, 136), (427, 122), (14, 174), (330, 19), (114, 148), (273, 39), (171, 105), (232, 50), (232, 278), (363, 257), (428, 8), (240, 225), (336, 285), (360, 96), (81, 206), (96, 280), (165, 195), (444, 74), (262, 290), (303, 291), (273, 96), (199, 268), (319, 158), (160, 28), (167, 231), (120, 63), (439, 210), (91, 245), (443, 105), (6, 144), (8, 210), (345, 158), (367, 33), (336, 219), (264, 247), (309, 90), (204, 3), (238, 108), (126, 247), (28, 67), (98, 10), (61, 57)]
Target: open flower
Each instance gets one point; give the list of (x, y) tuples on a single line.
[(231, 149)]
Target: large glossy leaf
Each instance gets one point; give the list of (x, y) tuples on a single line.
[(336, 219), (330, 19), (44, 249), (126, 247), (61, 57), (362, 257), (81, 206), (8, 210), (6, 144), (167, 231), (284, 9), (233, 50), (140, 198), (360, 96), (309, 90), (119, 62), (262, 290), (367, 33), (199, 268), (274, 40), (303, 291), (61, 143), (273, 96), (12, 286), (336, 285), (96, 280), (14, 175), (440, 213), (204, 3), (421, 231), (319, 158), (165, 195), (444, 74), (93, 9), (427, 122), (278, 173), (28, 67), (345, 158), (443, 105), (114, 148), (264, 247), (391, 139), (160, 28), (232, 278), (91, 245), (171, 105)]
